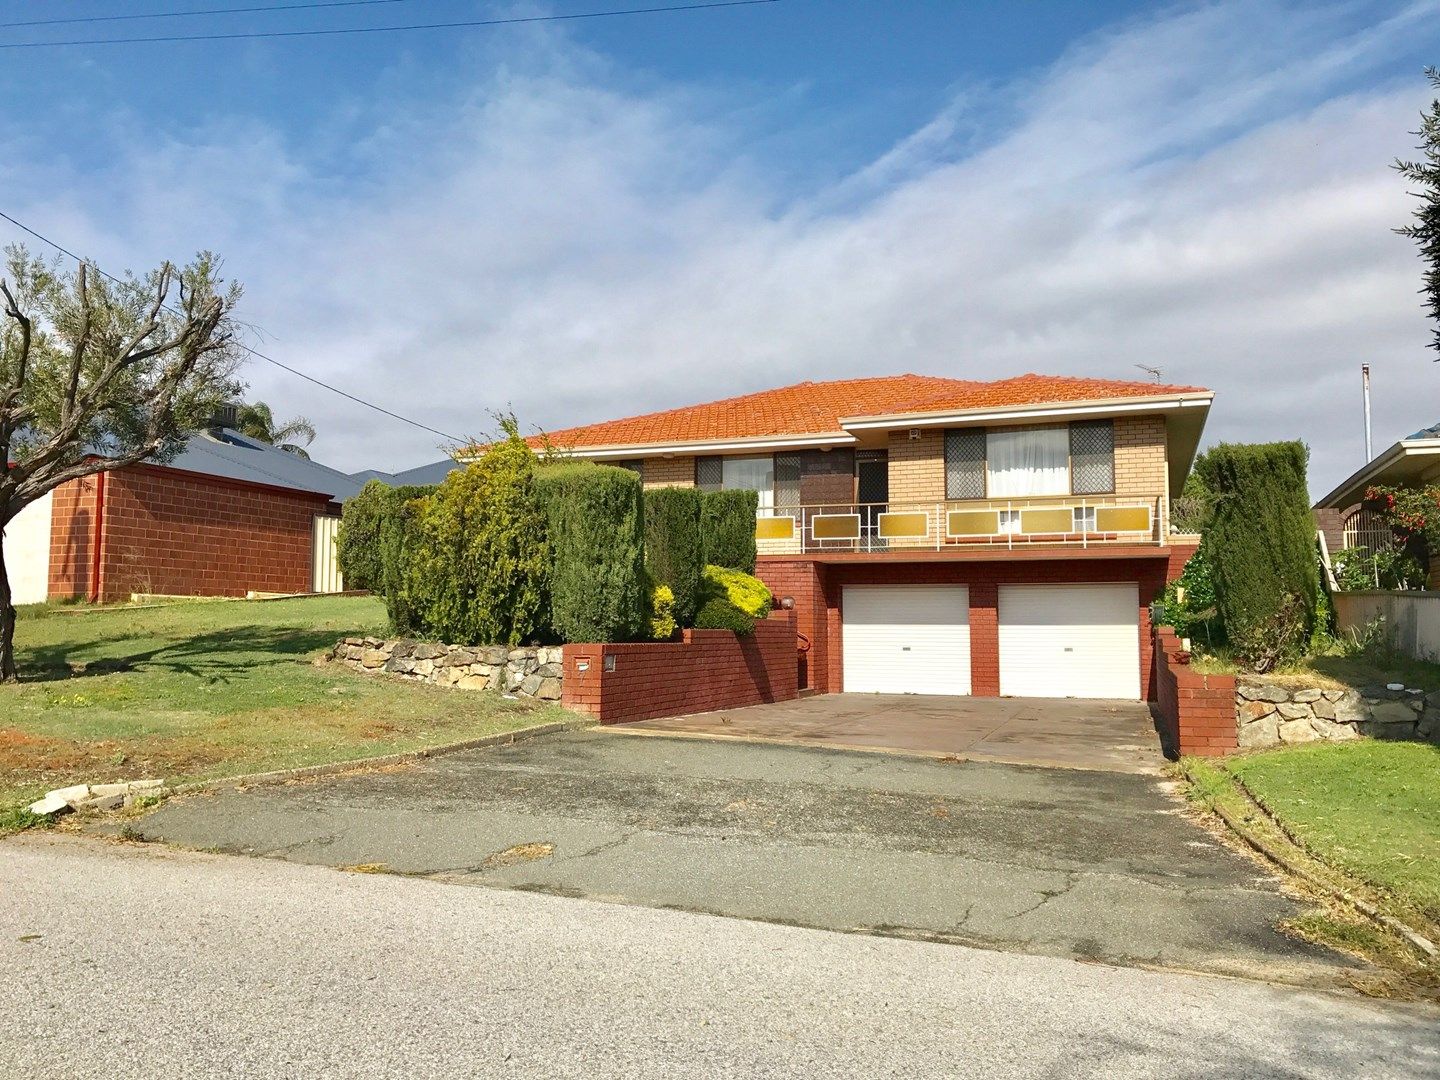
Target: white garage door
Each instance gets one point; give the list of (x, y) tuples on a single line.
[(906, 639), (1070, 641), (27, 552)]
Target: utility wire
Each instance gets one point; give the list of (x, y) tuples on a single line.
[(200, 11), (465, 24), (253, 352)]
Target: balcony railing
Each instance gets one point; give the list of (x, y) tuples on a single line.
[(979, 524)]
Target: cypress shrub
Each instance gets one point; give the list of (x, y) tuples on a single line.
[(1260, 544), (478, 574), (399, 541), (357, 547), (598, 589), (727, 528), (674, 555)]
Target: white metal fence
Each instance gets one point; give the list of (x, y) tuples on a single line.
[(1412, 619), (325, 574)]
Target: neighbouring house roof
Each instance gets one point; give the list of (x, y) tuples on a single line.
[(1414, 460), (819, 409), (421, 475), (227, 453)]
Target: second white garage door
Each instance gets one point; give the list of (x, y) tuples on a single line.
[(1070, 641), (906, 639)]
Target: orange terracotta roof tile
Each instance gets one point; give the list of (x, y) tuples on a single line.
[(816, 408)]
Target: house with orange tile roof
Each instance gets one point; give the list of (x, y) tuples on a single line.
[(947, 536)]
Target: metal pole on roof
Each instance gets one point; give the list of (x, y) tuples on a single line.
[(1365, 381)]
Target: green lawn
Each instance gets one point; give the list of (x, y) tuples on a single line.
[(1371, 809), (201, 690)]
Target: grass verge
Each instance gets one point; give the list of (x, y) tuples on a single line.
[(203, 691), (1338, 923)]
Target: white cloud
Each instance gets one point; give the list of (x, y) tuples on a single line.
[(1207, 192)]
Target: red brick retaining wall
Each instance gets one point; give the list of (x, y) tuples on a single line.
[(706, 670), (1196, 712)]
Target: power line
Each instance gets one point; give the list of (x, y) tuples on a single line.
[(465, 24), (253, 352), (200, 11)]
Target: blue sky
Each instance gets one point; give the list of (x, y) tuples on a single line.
[(593, 218)]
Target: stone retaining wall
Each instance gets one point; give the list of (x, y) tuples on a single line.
[(531, 671), (1267, 714)]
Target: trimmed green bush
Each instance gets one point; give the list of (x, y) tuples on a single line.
[(745, 591), (598, 588), (1260, 542), (717, 613), (727, 528), (478, 574), (674, 554), (400, 540), (357, 547)]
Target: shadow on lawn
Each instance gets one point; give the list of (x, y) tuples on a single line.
[(209, 656)]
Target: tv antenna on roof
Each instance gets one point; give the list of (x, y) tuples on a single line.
[(1155, 371)]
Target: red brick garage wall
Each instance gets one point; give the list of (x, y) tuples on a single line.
[(983, 580), (176, 532), (706, 670)]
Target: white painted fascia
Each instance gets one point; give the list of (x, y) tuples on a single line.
[(775, 442), (1163, 403)]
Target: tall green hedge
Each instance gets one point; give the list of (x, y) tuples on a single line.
[(399, 541), (674, 554), (478, 572), (598, 590), (357, 548), (1260, 543), (727, 528)]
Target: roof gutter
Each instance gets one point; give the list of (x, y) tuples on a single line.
[(769, 442), (1030, 412)]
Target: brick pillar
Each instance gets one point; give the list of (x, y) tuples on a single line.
[(984, 640)]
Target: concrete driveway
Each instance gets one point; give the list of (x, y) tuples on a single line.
[(1063, 733), (1093, 865)]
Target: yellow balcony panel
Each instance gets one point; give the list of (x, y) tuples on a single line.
[(972, 523), (1049, 519), (835, 526), (904, 525), (775, 528), (1122, 519)]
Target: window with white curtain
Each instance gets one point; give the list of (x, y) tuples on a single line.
[(751, 474), (1022, 462)]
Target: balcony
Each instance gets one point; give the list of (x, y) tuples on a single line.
[(970, 526)]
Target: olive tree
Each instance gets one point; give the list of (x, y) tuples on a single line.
[(97, 373)]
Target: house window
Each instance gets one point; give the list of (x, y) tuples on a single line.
[(965, 463), (1028, 461), (709, 474), (750, 474), (635, 465), (1092, 457)]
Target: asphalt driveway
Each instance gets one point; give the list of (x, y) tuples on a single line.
[(1093, 865), (1064, 733)]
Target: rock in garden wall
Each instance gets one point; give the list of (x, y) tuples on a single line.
[(1270, 715), (534, 671)]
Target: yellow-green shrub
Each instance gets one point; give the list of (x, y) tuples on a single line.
[(744, 591), (662, 613)]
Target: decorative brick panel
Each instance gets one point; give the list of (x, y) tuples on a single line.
[(669, 472), (917, 467), (1140, 464), (705, 671)]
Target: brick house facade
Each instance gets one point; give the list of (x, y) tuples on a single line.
[(1030, 565)]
